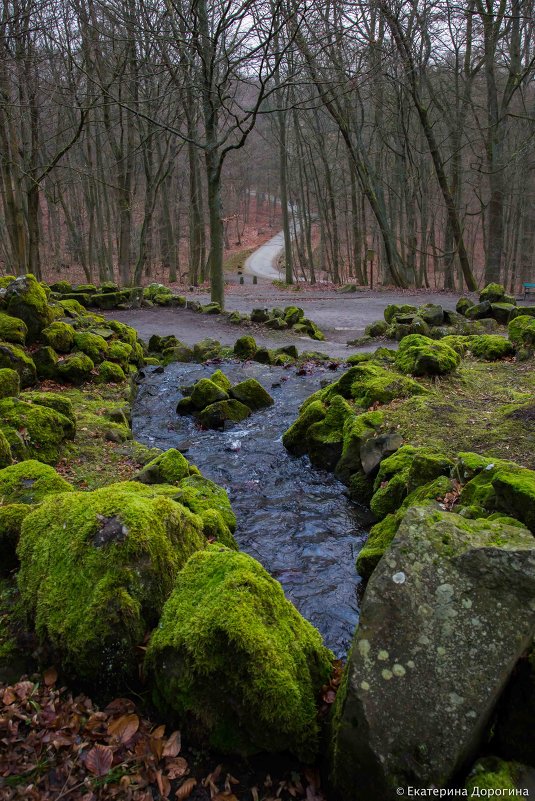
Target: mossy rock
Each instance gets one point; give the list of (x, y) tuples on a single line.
[(233, 656), (180, 353), (460, 344), (325, 439), (294, 438), (519, 311), (110, 373), (245, 347), (6, 280), (422, 356), (491, 347), (502, 312), (116, 553), (157, 343), (313, 331), (216, 530), (9, 383), (521, 331), (259, 315), (25, 298), (15, 358), (92, 345), (154, 290), (251, 393), (110, 300), (215, 415), (119, 352), (125, 332), (169, 467), (75, 368), (376, 329), (5, 451), (46, 362), (207, 349), (12, 329), (356, 430), (394, 310), (34, 431), (293, 315), (463, 304), (52, 400), (211, 308), (89, 289), (199, 494), (206, 392), (369, 383), (61, 286), (108, 286), (479, 311), (59, 336), (11, 518), (431, 313), (515, 494), (494, 293), (220, 379), (30, 482), (276, 324)]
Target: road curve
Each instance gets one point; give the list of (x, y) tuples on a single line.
[(263, 262)]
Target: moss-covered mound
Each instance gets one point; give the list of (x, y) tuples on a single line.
[(245, 347), (216, 402), (59, 336), (34, 431), (12, 329), (9, 383), (96, 569), (234, 656), (491, 347), (76, 368), (30, 482), (252, 394), (26, 299), (5, 451), (522, 331), (167, 468), (15, 358), (420, 355)]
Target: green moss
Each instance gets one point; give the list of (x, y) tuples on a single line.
[(72, 308), (207, 349), (460, 344), (492, 774), (26, 299), (15, 358), (46, 362), (376, 329), (206, 392), (110, 373), (167, 468), (220, 379), (52, 400), (12, 329), (120, 352), (6, 280), (251, 393), (325, 438), (295, 438), (59, 336), (5, 451), (9, 383), (394, 310), (215, 529), (96, 569), (515, 494), (34, 431), (521, 331), (199, 494), (491, 347), (92, 345), (493, 292), (11, 518), (369, 383), (245, 347), (75, 368), (356, 430), (30, 482), (215, 415), (422, 356), (233, 654)]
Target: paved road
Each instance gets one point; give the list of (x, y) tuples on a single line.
[(263, 262)]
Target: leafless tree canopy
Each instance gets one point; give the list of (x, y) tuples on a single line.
[(133, 133)]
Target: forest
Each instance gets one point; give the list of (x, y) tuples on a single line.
[(267, 400), (134, 135)]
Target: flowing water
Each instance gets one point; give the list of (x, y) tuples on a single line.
[(295, 519)]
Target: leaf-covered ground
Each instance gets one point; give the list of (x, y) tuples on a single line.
[(55, 746)]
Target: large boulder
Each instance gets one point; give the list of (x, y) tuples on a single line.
[(479, 310), (490, 347), (12, 329), (494, 293), (522, 331), (34, 431), (245, 347), (9, 383), (252, 394), (59, 336), (431, 313), (25, 298), (116, 553), (30, 482), (76, 368), (15, 358), (449, 594), (234, 658), (206, 392), (215, 415), (422, 356)]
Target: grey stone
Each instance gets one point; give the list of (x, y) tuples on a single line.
[(374, 449), (446, 615)]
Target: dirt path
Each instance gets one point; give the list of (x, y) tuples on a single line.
[(341, 317), (263, 262)]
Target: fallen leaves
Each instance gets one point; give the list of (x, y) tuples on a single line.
[(54, 746)]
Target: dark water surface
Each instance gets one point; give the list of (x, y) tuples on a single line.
[(296, 520)]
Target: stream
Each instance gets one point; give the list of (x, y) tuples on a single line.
[(295, 519)]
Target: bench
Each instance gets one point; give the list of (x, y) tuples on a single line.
[(529, 289)]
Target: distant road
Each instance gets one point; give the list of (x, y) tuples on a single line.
[(263, 262)]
